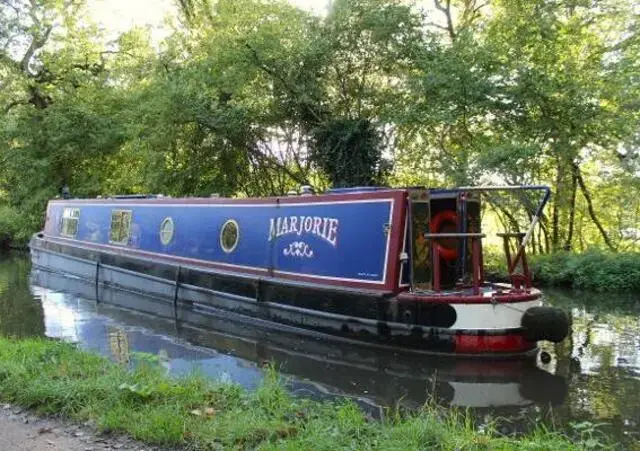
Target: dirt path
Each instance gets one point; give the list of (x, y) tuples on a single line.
[(22, 431)]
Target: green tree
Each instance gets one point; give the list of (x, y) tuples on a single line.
[(247, 97), (528, 92)]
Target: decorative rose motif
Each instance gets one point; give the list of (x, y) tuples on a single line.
[(298, 249)]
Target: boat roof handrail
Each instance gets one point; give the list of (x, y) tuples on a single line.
[(356, 189), (134, 196), (454, 235)]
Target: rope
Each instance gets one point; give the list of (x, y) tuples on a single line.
[(495, 302)]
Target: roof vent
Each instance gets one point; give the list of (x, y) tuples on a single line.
[(356, 189), (306, 190)]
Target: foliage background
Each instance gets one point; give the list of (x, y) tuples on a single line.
[(250, 97)]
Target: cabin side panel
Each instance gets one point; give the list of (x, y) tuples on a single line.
[(196, 231), (53, 218), (339, 241), (344, 240)]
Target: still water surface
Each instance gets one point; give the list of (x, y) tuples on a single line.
[(593, 377)]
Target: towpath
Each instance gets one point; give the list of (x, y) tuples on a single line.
[(20, 430)]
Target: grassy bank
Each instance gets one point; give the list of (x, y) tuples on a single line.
[(593, 270), (56, 378)]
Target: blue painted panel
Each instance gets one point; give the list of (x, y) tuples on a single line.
[(197, 231), (358, 249), (333, 240)]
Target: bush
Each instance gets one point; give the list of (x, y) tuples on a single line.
[(17, 224), (495, 264), (9, 224), (594, 270)]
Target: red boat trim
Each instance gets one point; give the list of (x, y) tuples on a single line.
[(478, 344), (405, 227), (470, 299), (395, 242)]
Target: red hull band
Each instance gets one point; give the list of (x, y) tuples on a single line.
[(479, 344)]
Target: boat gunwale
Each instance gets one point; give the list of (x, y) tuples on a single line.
[(250, 275), (268, 324)]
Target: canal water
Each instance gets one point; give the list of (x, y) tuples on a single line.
[(592, 382)]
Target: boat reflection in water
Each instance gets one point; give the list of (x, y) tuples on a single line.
[(320, 368)]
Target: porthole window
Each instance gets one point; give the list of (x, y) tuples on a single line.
[(166, 231), (229, 236)]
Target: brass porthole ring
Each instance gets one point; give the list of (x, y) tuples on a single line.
[(167, 229), (229, 236)]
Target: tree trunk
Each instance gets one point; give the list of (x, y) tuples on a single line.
[(592, 212), (501, 219), (540, 248), (512, 220), (545, 230), (572, 207), (556, 208), (581, 239)]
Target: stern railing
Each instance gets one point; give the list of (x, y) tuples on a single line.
[(517, 279)]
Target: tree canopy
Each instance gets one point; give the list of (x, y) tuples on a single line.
[(258, 97)]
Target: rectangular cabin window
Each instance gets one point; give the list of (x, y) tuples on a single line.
[(120, 226), (70, 220)]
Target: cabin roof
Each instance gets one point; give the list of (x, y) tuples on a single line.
[(380, 193), (330, 194)]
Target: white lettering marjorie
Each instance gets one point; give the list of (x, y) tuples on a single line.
[(325, 228)]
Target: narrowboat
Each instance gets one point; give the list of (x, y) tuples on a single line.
[(392, 268)]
